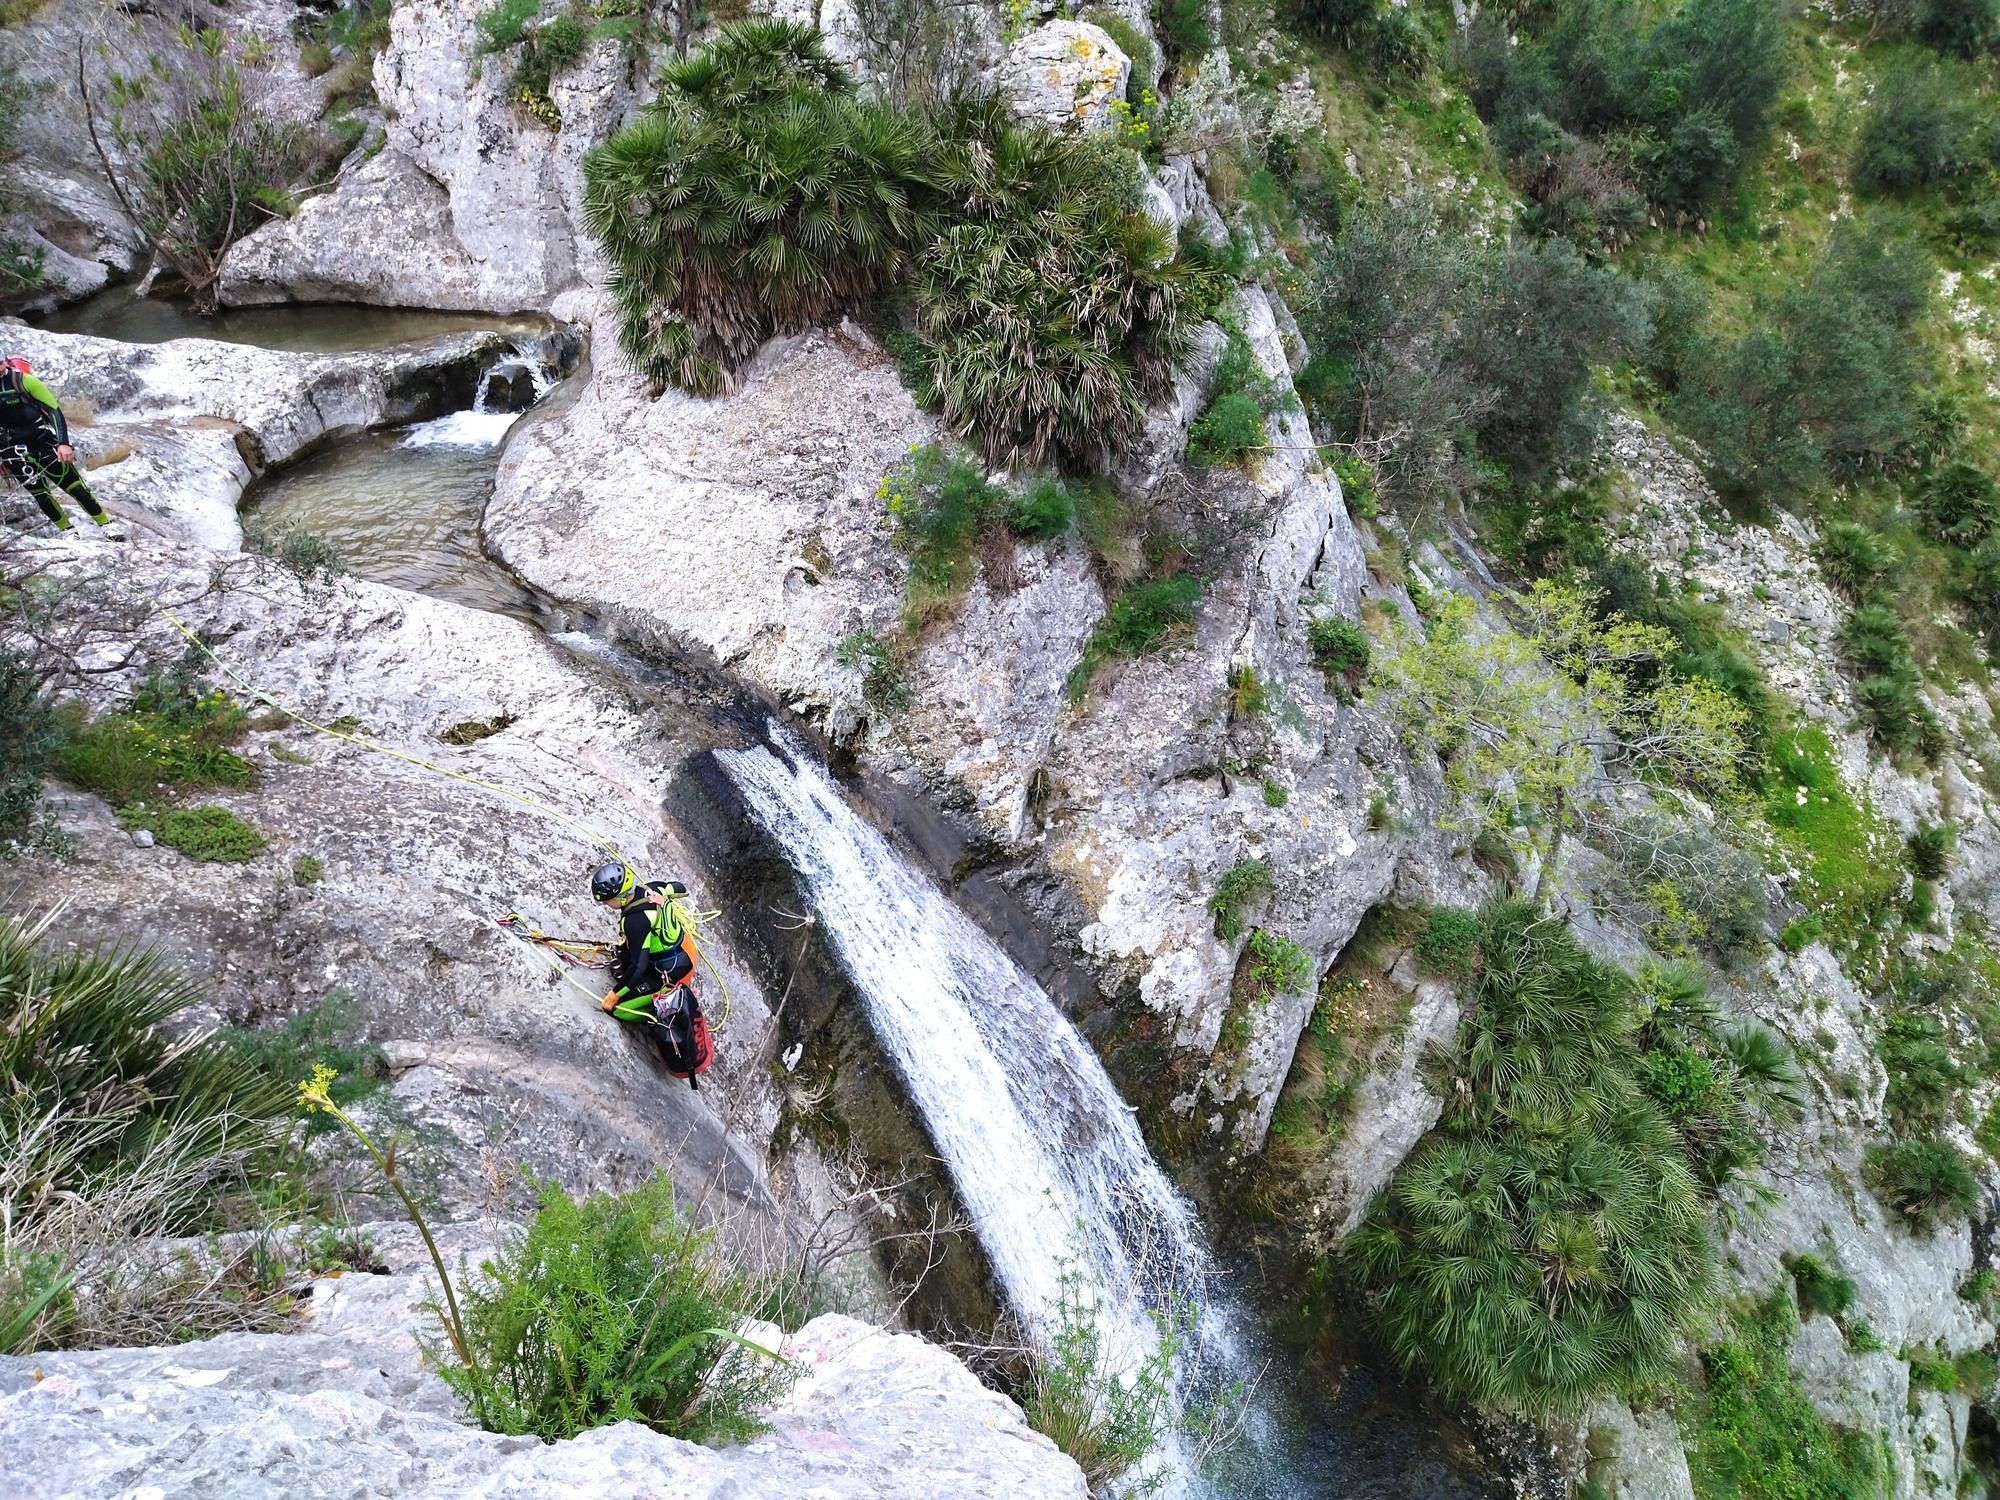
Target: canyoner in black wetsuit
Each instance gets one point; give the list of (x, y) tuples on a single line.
[(652, 968), (34, 444)]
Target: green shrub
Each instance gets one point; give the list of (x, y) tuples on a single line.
[(1897, 717), (1279, 966), (1242, 884), (1548, 1241), (308, 870), (1874, 639), (1931, 1370), (1340, 648), (1923, 1183), (1923, 128), (1928, 850), (30, 737), (1344, 21), (171, 736), (1448, 946), (1820, 1289), (613, 1309), (1184, 29), (883, 682), (1962, 28), (209, 834), (1109, 1420), (1042, 512), (754, 196), (1924, 1078), (1752, 1431), (1275, 795), (1982, 585), (1855, 560), (1052, 308), (1229, 430), (503, 25), (1958, 504), (1800, 932), (941, 506), (1142, 619)]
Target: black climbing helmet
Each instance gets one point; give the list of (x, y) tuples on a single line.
[(611, 881)]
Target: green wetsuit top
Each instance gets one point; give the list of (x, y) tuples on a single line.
[(28, 408)]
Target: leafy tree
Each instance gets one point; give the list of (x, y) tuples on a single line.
[(1535, 727), (755, 195), (203, 155), (1826, 382), (1965, 28)]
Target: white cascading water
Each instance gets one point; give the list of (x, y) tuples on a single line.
[(483, 426), (1042, 1150)]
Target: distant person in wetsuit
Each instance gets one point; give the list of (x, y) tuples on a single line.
[(34, 444)]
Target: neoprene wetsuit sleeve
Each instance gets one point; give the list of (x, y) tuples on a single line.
[(40, 393)]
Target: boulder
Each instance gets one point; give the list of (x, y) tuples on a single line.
[(1067, 74), (473, 203), (348, 1406)]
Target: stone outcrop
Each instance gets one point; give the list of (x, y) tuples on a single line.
[(348, 1406), (472, 203), (1067, 74)]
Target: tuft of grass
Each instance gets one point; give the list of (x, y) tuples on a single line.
[(171, 737), (472, 731), (308, 870), (883, 683), (1340, 648), (1278, 965), (1275, 795), (210, 834), (1144, 618), (1242, 884), (1819, 1288), (1448, 946)]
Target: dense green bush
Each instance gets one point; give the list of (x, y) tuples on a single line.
[(756, 194), (614, 1309), (1825, 382), (941, 506), (1043, 511), (1856, 560), (1958, 504), (1242, 885), (1444, 346), (1928, 849), (1897, 717), (1924, 1183), (1924, 1078), (1340, 648), (1229, 430), (1693, 891), (1184, 29), (1874, 639), (1051, 308), (1692, 84), (1982, 585), (1548, 1241), (1963, 28), (1819, 1288), (1924, 127), (1278, 965)]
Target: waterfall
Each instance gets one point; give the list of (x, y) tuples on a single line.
[(491, 415), (1042, 1150)]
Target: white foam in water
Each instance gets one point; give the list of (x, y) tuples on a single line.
[(1042, 1149), (462, 429)]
